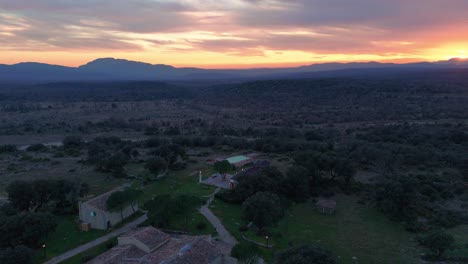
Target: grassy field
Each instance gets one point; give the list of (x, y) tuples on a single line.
[(460, 234), (66, 237), (90, 253), (354, 231)]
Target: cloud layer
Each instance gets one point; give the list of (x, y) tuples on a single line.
[(234, 31)]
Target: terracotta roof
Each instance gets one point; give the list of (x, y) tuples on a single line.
[(119, 254), (149, 236), (100, 202), (201, 250), (177, 250)]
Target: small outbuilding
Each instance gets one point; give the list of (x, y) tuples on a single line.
[(239, 161), (326, 206), (94, 213)]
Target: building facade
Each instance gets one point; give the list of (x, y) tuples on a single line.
[(95, 213)]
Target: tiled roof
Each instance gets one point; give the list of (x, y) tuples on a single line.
[(149, 236), (100, 202), (177, 250)]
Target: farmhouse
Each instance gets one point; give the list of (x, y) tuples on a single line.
[(94, 213), (148, 245)]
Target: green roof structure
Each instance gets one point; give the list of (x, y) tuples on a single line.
[(237, 159)]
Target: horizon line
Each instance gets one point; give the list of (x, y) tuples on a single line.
[(247, 66)]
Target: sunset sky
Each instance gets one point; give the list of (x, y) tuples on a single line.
[(232, 33)]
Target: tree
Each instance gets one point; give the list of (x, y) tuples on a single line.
[(117, 202), (463, 169), (64, 193), (397, 196), (223, 167), (162, 209), (263, 209), (20, 194), (305, 254), (156, 165), (115, 163), (245, 253), (41, 194), (170, 153), (72, 142), (296, 183), (132, 195), (261, 179), (16, 255), (25, 228), (438, 243), (33, 195), (344, 168)]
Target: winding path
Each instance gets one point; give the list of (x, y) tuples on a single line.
[(214, 220), (97, 241)]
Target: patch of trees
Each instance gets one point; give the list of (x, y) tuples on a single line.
[(22, 232), (111, 154), (165, 210), (305, 254), (7, 148), (119, 200), (35, 195), (171, 153), (223, 167), (95, 92), (263, 209), (267, 179), (411, 198), (156, 165), (37, 147), (15, 255), (438, 243)]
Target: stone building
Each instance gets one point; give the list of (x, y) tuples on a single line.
[(95, 213)]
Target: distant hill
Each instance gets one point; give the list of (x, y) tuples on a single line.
[(110, 69)]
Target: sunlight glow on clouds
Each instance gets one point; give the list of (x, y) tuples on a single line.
[(232, 33)]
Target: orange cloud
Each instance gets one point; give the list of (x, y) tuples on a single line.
[(232, 33)]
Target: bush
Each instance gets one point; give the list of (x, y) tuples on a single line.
[(37, 147), (438, 243), (243, 228), (245, 252), (7, 148), (110, 245), (86, 258), (201, 226)]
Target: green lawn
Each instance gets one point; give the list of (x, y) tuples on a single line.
[(182, 182), (66, 237), (355, 230), (460, 234), (90, 253)]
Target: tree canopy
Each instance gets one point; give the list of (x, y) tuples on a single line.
[(156, 165), (263, 209), (222, 166), (438, 243)]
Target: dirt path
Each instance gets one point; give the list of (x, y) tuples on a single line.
[(222, 231), (97, 242)]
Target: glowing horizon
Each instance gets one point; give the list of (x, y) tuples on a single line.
[(232, 33)]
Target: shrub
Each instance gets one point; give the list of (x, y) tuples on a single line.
[(201, 226)]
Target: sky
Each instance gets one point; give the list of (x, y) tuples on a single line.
[(232, 33)]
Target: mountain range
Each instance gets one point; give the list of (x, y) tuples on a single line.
[(110, 69)]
